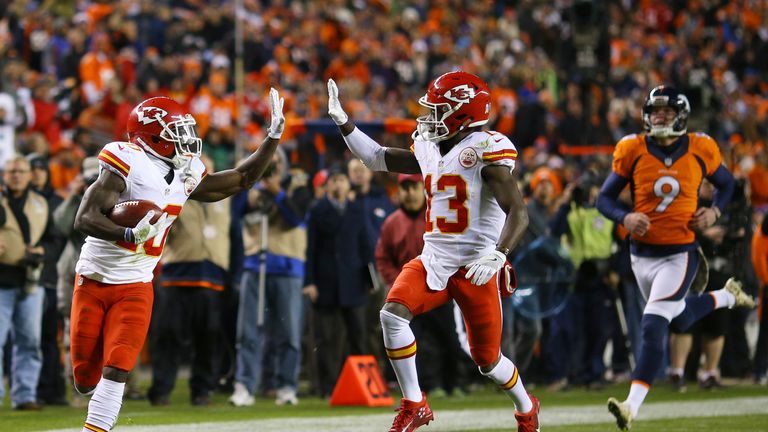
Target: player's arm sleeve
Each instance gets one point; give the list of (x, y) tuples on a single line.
[(716, 172), (367, 150), (500, 151), (724, 184), (116, 158), (608, 201)]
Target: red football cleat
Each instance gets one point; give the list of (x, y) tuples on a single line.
[(411, 415), (529, 422)]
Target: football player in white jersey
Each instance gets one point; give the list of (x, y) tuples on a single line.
[(475, 215), (112, 301)]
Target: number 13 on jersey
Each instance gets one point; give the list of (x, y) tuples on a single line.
[(458, 222)]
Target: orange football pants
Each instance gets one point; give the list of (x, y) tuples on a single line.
[(108, 326), (480, 305)]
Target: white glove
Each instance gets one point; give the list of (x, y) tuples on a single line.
[(146, 230), (484, 268), (334, 106), (277, 125)]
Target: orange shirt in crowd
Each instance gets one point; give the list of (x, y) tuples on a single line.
[(340, 71), (96, 69)]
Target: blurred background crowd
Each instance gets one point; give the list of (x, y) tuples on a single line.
[(567, 77)]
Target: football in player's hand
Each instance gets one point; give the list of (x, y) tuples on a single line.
[(129, 213)]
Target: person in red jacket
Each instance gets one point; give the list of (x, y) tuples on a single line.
[(400, 241)]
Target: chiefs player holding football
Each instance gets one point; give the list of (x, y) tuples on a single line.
[(112, 301), (664, 167), (475, 215)]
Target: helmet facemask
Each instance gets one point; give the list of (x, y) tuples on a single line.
[(677, 126), (432, 127), (184, 138)]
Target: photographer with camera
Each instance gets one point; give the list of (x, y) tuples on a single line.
[(64, 221), (24, 230), (579, 333), (275, 240)]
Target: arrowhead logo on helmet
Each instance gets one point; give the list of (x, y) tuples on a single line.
[(149, 114), (460, 94)]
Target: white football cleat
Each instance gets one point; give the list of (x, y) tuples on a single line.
[(240, 397), (742, 299), (621, 411)]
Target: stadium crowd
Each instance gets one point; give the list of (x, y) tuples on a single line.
[(567, 79)]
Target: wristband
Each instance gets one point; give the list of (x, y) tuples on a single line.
[(128, 236)]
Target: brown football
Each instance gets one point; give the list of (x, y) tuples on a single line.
[(129, 213)]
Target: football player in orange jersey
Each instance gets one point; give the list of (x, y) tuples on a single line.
[(475, 214), (112, 300), (664, 168)]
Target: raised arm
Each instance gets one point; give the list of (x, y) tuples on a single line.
[(373, 155), (222, 184)]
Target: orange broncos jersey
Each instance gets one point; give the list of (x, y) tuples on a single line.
[(666, 187)]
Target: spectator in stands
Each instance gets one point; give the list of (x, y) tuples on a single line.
[(25, 221), (280, 201), (194, 268), (50, 389), (580, 332), (64, 220), (760, 263), (336, 278)]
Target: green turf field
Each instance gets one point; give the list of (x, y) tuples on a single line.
[(181, 412)]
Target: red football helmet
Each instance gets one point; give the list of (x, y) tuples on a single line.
[(456, 100), (164, 128)]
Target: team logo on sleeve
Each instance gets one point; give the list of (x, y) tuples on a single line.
[(468, 157)]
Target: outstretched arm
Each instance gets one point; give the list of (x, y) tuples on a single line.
[(220, 185), (373, 155)]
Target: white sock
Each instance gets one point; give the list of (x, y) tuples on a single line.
[(723, 299), (677, 371), (506, 376), (400, 345), (637, 393), (104, 405)]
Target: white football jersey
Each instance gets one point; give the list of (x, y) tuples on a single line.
[(464, 220), (120, 262)]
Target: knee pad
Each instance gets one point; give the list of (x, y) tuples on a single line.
[(665, 309), (393, 323)]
